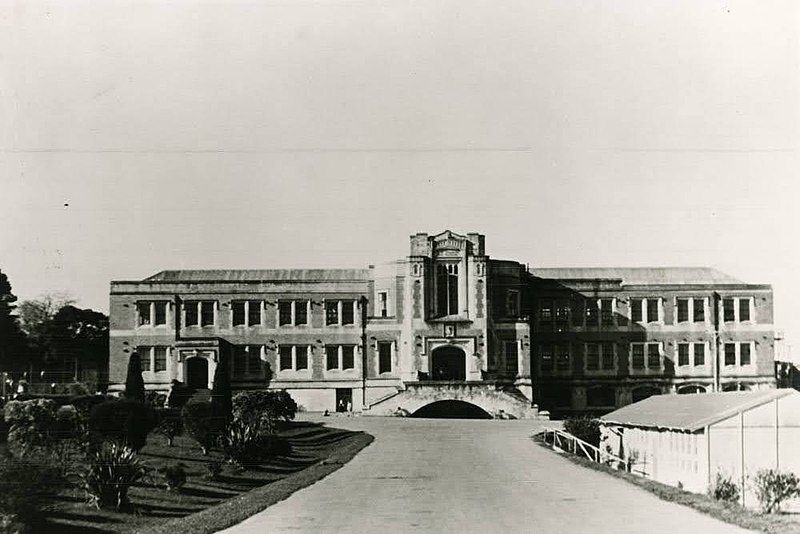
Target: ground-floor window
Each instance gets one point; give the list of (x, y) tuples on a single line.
[(384, 357), (512, 353), (153, 358), (339, 357), (293, 357), (247, 360)]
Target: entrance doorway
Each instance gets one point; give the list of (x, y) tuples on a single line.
[(448, 363), (197, 373), (344, 399)]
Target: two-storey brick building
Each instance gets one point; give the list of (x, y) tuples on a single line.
[(448, 322)]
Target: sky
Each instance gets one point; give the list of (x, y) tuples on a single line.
[(142, 136)]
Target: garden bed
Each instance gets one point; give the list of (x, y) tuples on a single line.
[(204, 505)]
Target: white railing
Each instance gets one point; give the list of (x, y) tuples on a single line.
[(565, 441)]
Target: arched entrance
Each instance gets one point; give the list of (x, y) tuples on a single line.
[(451, 409), (197, 373), (448, 363)]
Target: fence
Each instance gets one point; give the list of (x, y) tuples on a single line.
[(564, 441)]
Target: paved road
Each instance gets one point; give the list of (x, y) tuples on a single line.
[(434, 475)]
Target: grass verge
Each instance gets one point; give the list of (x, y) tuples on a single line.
[(203, 504), (729, 513)]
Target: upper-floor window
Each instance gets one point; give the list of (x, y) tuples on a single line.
[(690, 310), (340, 312), (247, 360), (646, 356), (152, 313), (546, 311), (200, 312), (447, 289), (383, 303), (293, 357), (607, 311), (600, 356), (738, 353), (512, 303), (691, 354), (153, 358), (577, 306), (385, 357), (645, 310), (246, 312), (592, 313), (339, 357), (737, 309), (562, 312), (293, 312)]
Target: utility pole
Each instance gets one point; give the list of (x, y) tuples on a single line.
[(363, 305)]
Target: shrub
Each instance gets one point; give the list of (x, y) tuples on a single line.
[(77, 389), (154, 399), (31, 424), (585, 428), (122, 421), (134, 383), (179, 395), (773, 488), (724, 488), (169, 427), (214, 468), (200, 423), (24, 487), (240, 443), (111, 472), (221, 402), (174, 476), (264, 408), (85, 403)]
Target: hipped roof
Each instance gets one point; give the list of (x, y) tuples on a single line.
[(691, 412)]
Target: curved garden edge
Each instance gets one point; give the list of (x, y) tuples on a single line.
[(237, 509), (735, 515)]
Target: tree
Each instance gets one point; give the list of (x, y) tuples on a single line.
[(77, 337), (11, 335), (221, 398), (134, 384), (35, 317)]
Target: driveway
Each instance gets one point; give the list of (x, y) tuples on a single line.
[(436, 475)]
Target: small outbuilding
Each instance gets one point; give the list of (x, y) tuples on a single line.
[(685, 440)]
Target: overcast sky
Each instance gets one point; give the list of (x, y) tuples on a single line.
[(141, 136)]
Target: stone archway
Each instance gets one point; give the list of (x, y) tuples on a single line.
[(197, 372), (448, 363), (451, 409)]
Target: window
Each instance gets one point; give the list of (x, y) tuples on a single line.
[(699, 309), (563, 358), (285, 356), (300, 312), (383, 304), (447, 289), (546, 311), (562, 312), (253, 312), (284, 312), (190, 307), (652, 310), (512, 352), (683, 311), (744, 309), (293, 357), (331, 357), (340, 312), (592, 356), (348, 312), (239, 361), (144, 357), (646, 356), (607, 356), (683, 353), (512, 302), (636, 310), (144, 313), (653, 356), (592, 313), (207, 313), (744, 354), (238, 311), (730, 353), (384, 357), (331, 312), (348, 356), (160, 358), (699, 354), (253, 359), (607, 311), (546, 357), (728, 310), (160, 312), (577, 312)]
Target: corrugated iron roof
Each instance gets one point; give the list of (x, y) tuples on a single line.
[(259, 275), (691, 412), (640, 275)]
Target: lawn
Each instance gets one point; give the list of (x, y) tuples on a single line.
[(316, 451)]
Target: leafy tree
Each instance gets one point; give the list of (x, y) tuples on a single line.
[(134, 383), (11, 336), (75, 334), (36, 316)]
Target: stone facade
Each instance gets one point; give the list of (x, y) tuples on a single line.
[(446, 313)]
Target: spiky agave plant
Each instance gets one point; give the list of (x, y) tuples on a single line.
[(109, 475)]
